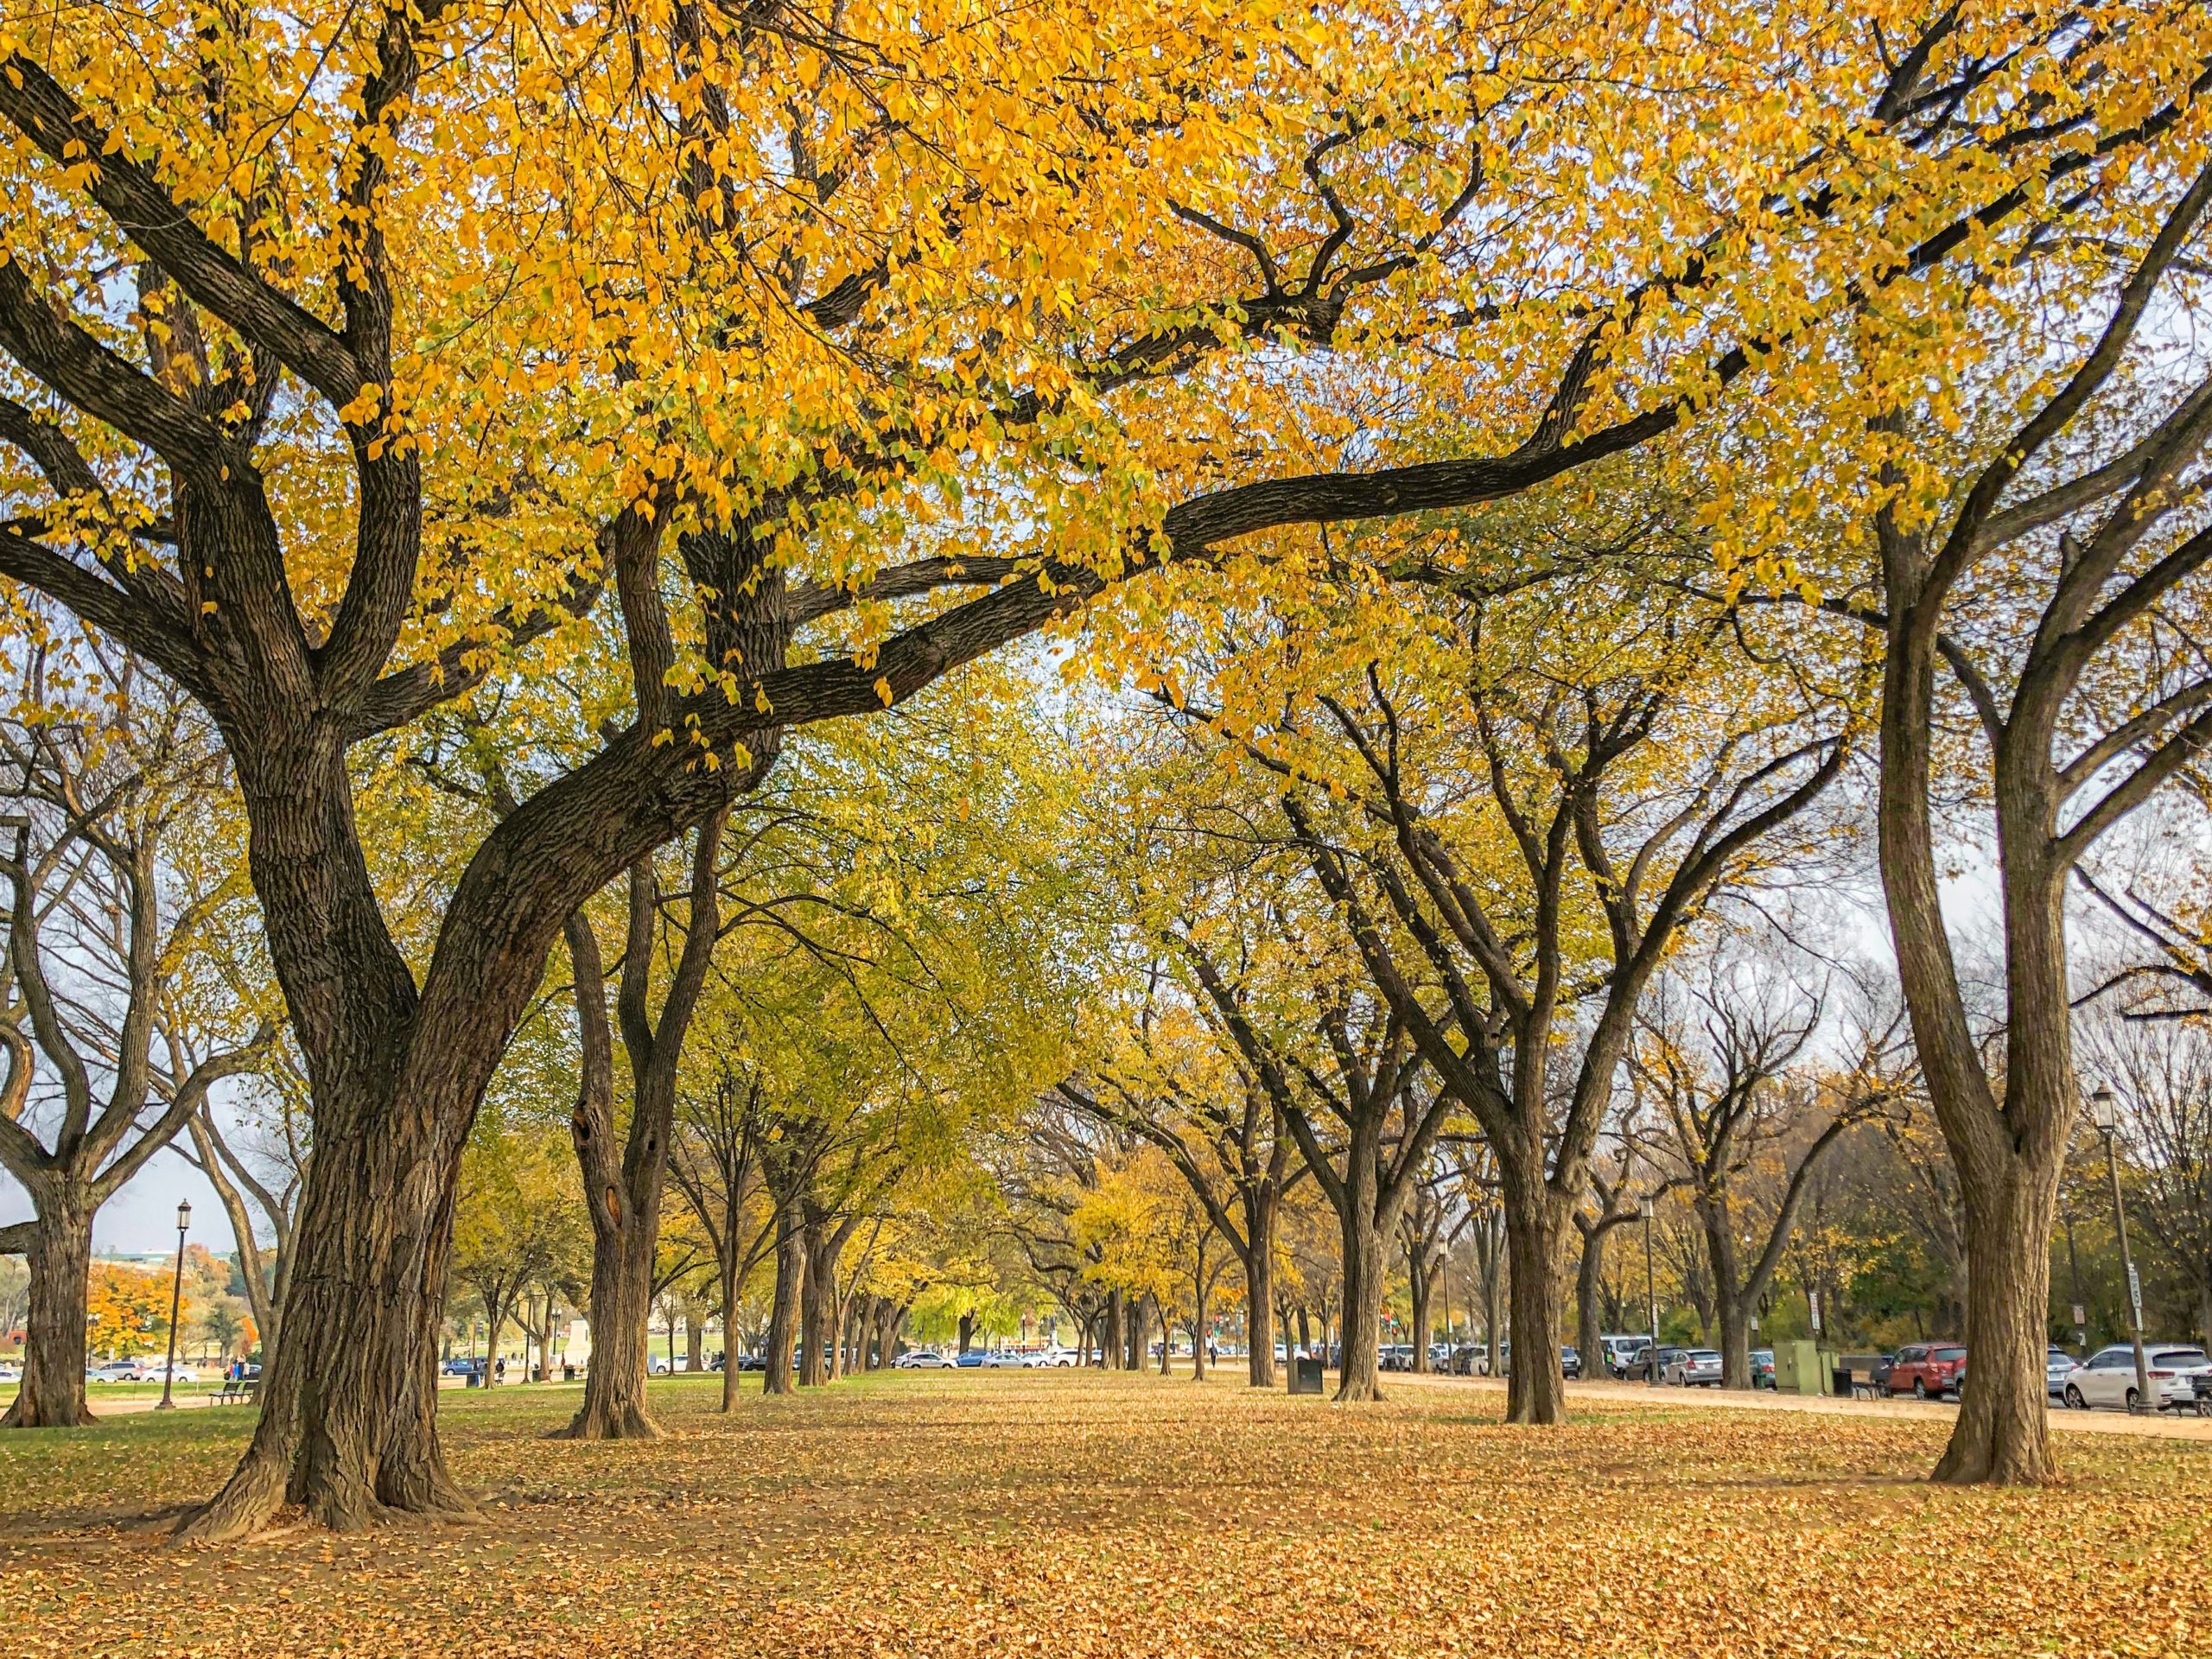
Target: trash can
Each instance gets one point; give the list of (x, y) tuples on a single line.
[(1305, 1376), (567, 1373), (476, 1379)]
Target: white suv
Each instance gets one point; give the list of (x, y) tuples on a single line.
[(2108, 1378)]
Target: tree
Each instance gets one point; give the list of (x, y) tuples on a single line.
[(1739, 1120), (715, 1161), (2083, 707), (102, 918), (2162, 1077), (624, 1188)]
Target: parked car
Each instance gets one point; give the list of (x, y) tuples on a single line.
[(459, 1365), (163, 1373), (969, 1359), (10, 1372), (1439, 1355), (1652, 1365), (1001, 1359), (116, 1370), (1763, 1368), (1570, 1360), (1395, 1357), (2058, 1366), (1693, 1368), (1047, 1359), (1622, 1355), (921, 1359), (2108, 1377), (1927, 1371)]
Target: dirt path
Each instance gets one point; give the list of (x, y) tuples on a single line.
[(2093, 1423)]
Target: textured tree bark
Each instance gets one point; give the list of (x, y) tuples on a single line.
[(1260, 1301), (1589, 1326), (790, 1288), (1421, 1279), (348, 1427), (1112, 1341), (52, 1393), (815, 1298), (2003, 1434), (1536, 1230), (1364, 1262)]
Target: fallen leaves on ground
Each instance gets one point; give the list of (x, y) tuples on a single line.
[(1077, 1514)]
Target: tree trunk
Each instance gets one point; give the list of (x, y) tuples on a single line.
[(614, 1406), (783, 1317), (815, 1298), (1363, 1308), (1260, 1307), (1110, 1338), (1535, 1224), (52, 1393), (1589, 1326), (1728, 1311), (349, 1426), (1421, 1284), (731, 1349), (2002, 1434)]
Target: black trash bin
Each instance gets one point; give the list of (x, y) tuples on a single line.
[(567, 1373), (476, 1379), (1305, 1376)]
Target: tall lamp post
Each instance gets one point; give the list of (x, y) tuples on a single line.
[(176, 1293), (2105, 1109), (1650, 1297)]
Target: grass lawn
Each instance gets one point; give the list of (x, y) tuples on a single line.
[(1072, 1513)]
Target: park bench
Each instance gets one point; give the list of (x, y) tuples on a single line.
[(235, 1393)]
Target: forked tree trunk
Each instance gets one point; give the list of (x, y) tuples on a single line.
[(52, 1393), (1110, 1337)]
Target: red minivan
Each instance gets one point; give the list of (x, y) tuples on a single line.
[(1926, 1369)]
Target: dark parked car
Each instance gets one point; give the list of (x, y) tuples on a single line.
[(1761, 1368), (462, 1366), (1570, 1360)]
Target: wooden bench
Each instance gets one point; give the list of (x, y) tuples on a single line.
[(235, 1393)]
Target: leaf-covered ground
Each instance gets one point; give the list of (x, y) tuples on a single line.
[(1071, 1513)]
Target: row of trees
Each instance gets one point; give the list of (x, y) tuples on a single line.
[(481, 399)]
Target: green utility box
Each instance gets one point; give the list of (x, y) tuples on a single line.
[(1800, 1368), (1305, 1375)]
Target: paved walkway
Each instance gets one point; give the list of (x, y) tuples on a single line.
[(1643, 1393)]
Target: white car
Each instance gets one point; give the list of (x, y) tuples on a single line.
[(1001, 1359), (2107, 1377), (921, 1359), (161, 1373), (1047, 1359), (11, 1373)]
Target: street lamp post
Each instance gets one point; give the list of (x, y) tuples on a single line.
[(2105, 1111), (1650, 1297), (176, 1294)]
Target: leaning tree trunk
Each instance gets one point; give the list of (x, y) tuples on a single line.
[(783, 1317), (1535, 1225), (52, 1393)]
